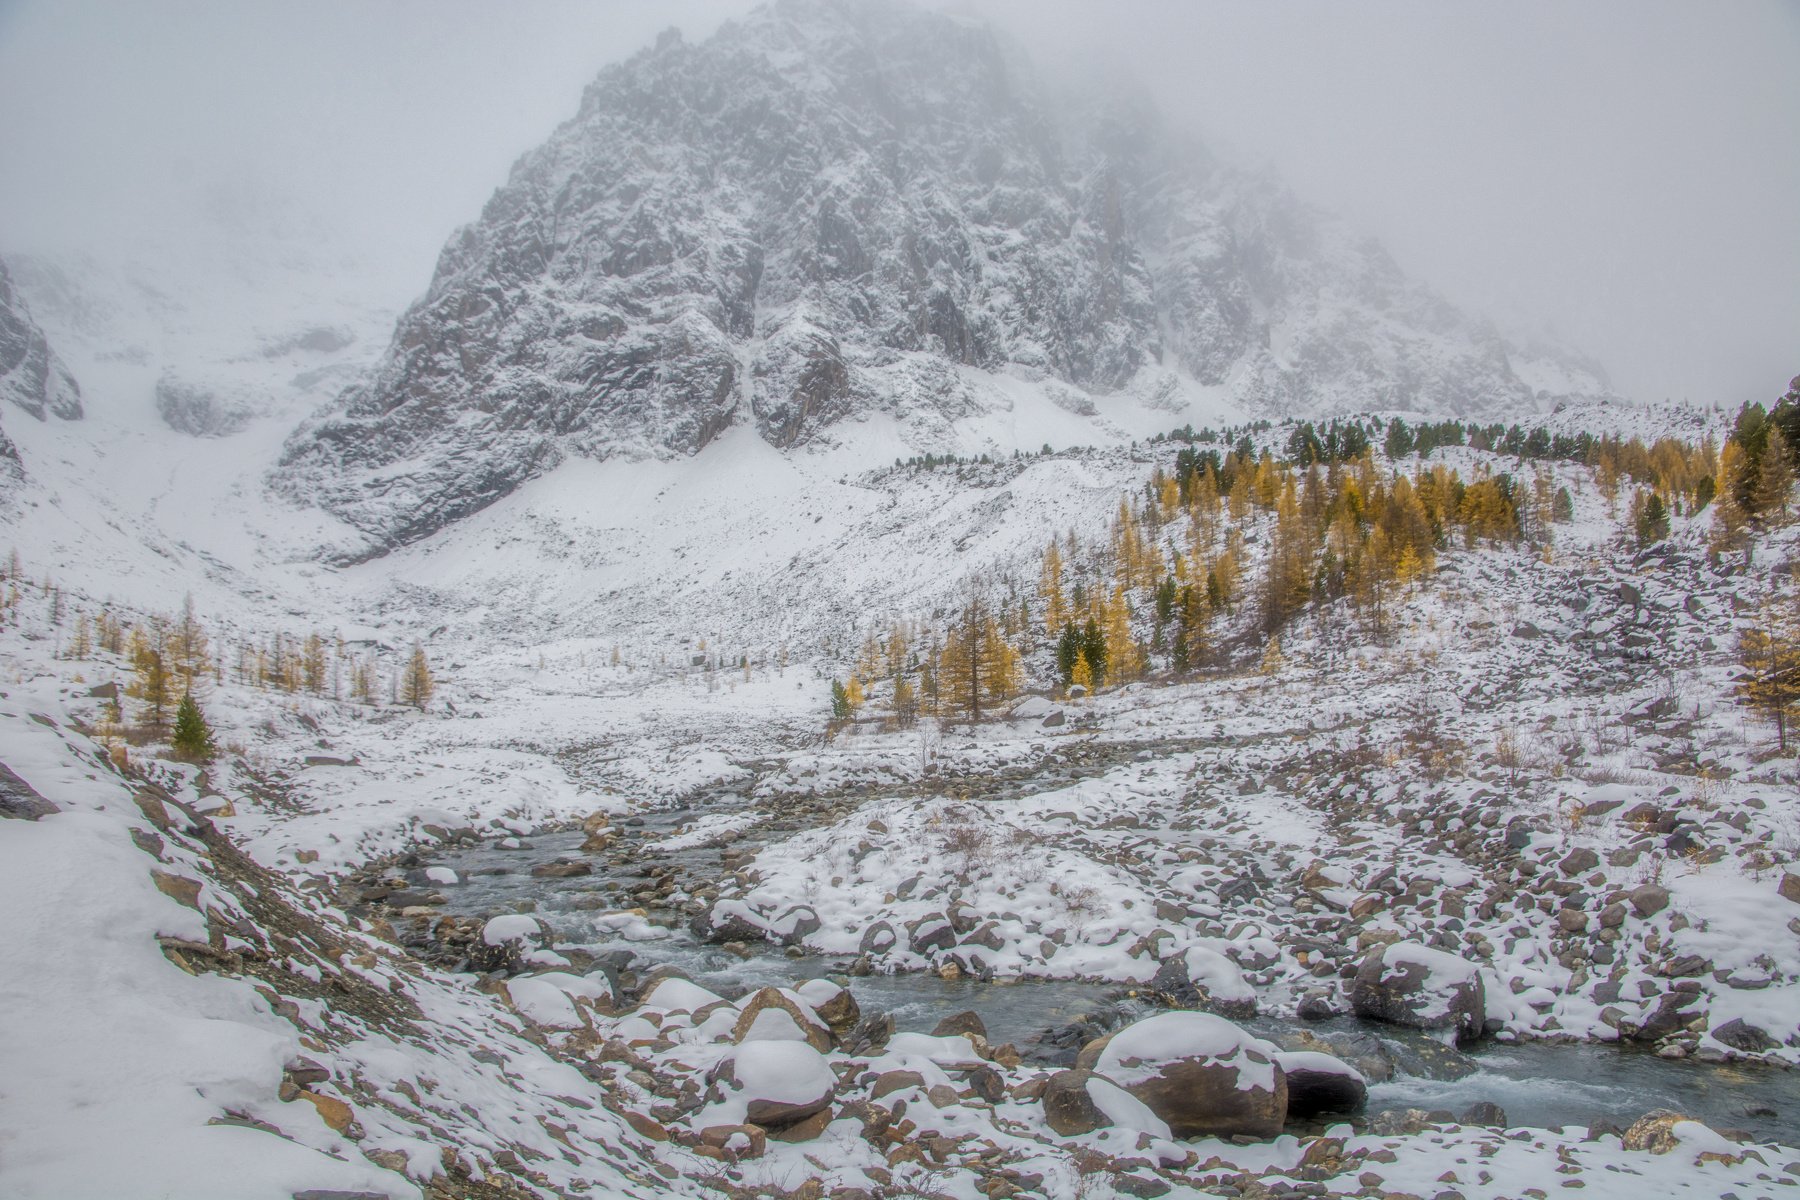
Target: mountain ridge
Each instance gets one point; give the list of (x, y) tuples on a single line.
[(830, 210)]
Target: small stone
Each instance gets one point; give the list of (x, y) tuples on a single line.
[(1648, 900)]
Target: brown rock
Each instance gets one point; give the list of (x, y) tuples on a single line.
[(561, 870), (1648, 900), (740, 1141), (840, 1012), (334, 1112), (1068, 1108), (1654, 1131), (1789, 887), (645, 1126), (804, 1130), (889, 1082), (961, 1023), (178, 888)]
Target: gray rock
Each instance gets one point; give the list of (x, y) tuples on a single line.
[(1484, 1112), (1408, 984), (1740, 1035), (1648, 900), (19, 800)]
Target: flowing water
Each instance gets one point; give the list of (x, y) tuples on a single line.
[(1539, 1084)]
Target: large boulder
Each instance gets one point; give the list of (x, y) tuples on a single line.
[(1320, 1083), (1202, 978), (1199, 1073), (771, 1084), (778, 1015), (1408, 984)]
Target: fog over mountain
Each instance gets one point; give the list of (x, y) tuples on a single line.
[(1621, 173)]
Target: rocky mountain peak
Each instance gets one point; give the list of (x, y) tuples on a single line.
[(829, 210)]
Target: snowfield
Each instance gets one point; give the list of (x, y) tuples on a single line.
[(1494, 783)]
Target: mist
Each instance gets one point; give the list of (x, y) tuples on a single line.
[(1621, 175)]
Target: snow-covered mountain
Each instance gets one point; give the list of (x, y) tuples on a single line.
[(832, 210)]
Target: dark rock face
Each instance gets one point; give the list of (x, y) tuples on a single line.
[(1315, 1088), (31, 376), (829, 210)]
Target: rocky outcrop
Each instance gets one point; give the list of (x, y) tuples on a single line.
[(32, 377), (830, 210), (199, 410)]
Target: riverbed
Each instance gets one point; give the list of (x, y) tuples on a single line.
[(1539, 1084)]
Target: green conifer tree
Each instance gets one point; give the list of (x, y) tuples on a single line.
[(193, 740)]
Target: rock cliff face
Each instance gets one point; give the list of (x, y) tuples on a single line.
[(832, 209), (31, 376)]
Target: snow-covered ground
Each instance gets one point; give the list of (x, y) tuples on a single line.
[(1541, 771)]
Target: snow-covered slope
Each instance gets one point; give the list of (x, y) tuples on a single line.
[(833, 210)]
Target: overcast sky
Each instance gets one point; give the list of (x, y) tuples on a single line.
[(1627, 174)]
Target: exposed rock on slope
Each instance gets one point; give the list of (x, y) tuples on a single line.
[(831, 210), (31, 376)]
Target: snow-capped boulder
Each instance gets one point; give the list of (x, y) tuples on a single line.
[(1122, 1110), (550, 999), (1409, 984), (739, 921), (771, 1084), (1197, 1072), (833, 1004), (878, 939), (508, 942), (1662, 1131), (1319, 1083), (1202, 978), (779, 1015), (675, 993)]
